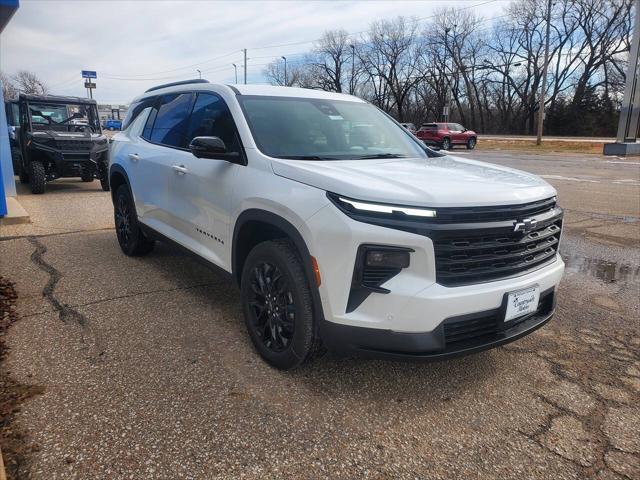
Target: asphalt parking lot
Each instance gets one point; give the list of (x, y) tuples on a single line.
[(147, 372)]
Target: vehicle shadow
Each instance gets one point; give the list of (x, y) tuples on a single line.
[(60, 186), (330, 376)]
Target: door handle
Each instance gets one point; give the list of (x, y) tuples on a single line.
[(180, 169), (134, 157)]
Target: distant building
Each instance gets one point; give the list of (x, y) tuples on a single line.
[(117, 112)]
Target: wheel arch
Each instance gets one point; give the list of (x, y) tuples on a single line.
[(254, 226), (117, 177)]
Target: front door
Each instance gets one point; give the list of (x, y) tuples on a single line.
[(200, 189)]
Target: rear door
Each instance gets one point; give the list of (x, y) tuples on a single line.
[(163, 138)]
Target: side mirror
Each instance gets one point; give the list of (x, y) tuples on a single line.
[(214, 148)]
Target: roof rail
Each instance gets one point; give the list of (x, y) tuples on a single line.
[(173, 84)]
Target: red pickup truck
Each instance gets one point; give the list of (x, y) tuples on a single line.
[(447, 135)]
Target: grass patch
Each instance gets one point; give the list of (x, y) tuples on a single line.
[(548, 146)]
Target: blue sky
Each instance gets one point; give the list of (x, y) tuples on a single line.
[(137, 44)]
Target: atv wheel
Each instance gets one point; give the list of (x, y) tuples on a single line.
[(104, 183), (23, 175), (37, 177)]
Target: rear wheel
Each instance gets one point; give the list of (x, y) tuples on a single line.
[(104, 183), (37, 177), (471, 143), (23, 174), (132, 240), (277, 305), (87, 177), (446, 144)]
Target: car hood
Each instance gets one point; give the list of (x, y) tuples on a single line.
[(445, 181)]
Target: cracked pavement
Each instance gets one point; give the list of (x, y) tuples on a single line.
[(147, 371)]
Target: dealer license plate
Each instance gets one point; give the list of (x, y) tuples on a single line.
[(522, 302)]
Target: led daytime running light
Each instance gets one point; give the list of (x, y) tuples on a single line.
[(374, 207)]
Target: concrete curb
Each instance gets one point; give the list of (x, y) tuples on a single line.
[(16, 214)]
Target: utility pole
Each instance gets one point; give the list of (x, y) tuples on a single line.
[(235, 67), (285, 70), (245, 66), (544, 76), (352, 85)]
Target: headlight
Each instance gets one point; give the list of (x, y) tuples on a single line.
[(349, 205)]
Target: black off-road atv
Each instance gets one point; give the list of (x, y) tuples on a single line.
[(59, 137)]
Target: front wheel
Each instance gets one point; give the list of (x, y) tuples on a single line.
[(132, 240), (471, 143), (37, 177), (446, 144), (277, 305)]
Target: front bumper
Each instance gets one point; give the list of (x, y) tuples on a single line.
[(481, 331)]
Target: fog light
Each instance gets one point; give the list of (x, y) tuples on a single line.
[(387, 258)]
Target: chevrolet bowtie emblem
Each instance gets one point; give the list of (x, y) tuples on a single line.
[(525, 226)]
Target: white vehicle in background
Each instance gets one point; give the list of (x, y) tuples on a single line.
[(341, 237)]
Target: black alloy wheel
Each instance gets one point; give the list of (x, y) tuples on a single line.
[(131, 238), (278, 306), (273, 308)]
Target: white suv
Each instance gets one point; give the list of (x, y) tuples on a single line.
[(342, 230)]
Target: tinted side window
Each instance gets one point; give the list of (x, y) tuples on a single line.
[(211, 118), (148, 127), (172, 121)]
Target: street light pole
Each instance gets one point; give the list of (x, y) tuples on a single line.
[(285, 70), (544, 76), (235, 67), (199, 74), (245, 66)]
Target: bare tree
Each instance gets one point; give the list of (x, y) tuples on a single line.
[(391, 56), (28, 82), (9, 90)]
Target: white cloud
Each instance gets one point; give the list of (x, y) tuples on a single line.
[(140, 39)]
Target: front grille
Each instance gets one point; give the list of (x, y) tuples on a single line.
[(474, 255), (485, 326), (74, 145), (495, 213)]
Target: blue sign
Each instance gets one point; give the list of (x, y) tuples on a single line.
[(89, 74)]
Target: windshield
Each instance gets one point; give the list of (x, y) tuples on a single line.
[(64, 117), (320, 129)]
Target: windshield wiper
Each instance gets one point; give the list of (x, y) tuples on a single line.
[(380, 155), (305, 157)]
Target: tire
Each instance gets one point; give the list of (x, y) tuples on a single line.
[(104, 183), (132, 240), (23, 175), (446, 144), (37, 177), (471, 143), (87, 178), (277, 305)]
